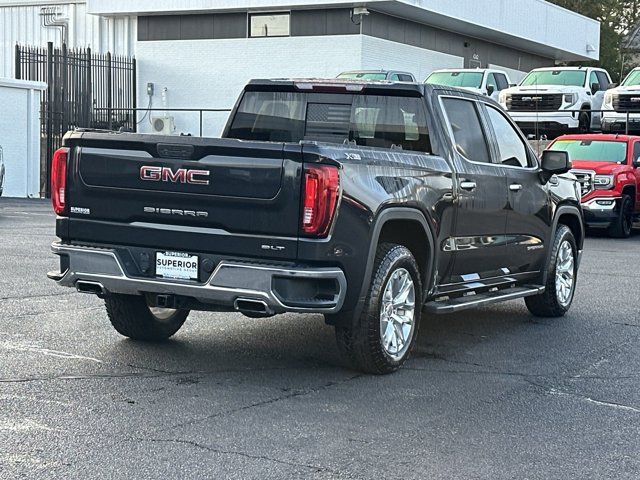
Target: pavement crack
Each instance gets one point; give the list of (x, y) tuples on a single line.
[(585, 398), (47, 351), (26, 297), (524, 376), (192, 443), (53, 312), (157, 370), (154, 373), (262, 403)]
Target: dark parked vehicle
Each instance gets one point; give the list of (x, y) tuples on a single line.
[(369, 203)]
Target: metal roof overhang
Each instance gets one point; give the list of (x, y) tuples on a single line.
[(501, 23)]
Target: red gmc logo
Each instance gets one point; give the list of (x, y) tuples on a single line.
[(181, 175)]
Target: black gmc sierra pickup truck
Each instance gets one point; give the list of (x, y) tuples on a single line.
[(372, 203)]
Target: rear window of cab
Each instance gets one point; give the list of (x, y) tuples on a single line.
[(383, 121)]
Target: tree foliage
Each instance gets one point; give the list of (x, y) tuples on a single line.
[(617, 18)]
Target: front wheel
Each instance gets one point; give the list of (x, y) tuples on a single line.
[(562, 273), (623, 224), (133, 317), (584, 122), (381, 339)]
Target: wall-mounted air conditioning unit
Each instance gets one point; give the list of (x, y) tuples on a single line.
[(163, 125)]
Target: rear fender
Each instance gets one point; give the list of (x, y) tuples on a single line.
[(383, 217)]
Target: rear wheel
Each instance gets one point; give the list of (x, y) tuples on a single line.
[(623, 224), (381, 339), (133, 317), (561, 277)]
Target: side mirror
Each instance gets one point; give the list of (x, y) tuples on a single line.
[(554, 162), (490, 90), (595, 87)]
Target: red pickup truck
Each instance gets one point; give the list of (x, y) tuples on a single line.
[(608, 169)]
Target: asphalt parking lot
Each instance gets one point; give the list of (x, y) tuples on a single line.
[(492, 393)]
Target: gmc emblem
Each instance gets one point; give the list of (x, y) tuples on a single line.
[(181, 175)]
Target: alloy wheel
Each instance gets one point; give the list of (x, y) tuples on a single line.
[(397, 314), (565, 274)]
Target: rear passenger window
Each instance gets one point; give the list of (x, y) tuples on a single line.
[(467, 130), (383, 121), (510, 144)]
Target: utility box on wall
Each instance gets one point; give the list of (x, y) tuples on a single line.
[(20, 136)]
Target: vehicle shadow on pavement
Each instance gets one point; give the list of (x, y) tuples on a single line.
[(304, 342)]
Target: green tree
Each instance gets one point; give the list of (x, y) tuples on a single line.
[(617, 18)]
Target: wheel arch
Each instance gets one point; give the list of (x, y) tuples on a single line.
[(630, 189), (419, 228), (570, 216)]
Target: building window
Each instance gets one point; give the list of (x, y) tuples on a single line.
[(269, 25)]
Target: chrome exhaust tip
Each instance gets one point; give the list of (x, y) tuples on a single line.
[(93, 288), (252, 307)]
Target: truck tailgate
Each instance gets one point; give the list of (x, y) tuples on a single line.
[(184, 193)]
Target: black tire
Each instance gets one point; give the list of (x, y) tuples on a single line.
[(549, 304), (623, 224), (360, 344), (132, 317), (584, 122)]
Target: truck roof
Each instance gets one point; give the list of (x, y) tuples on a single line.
[(543, 69), (375, 71), (354, 85), (607, 137), (470, 70)]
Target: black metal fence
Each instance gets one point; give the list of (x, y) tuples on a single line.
[(84, 89), (198, 118)]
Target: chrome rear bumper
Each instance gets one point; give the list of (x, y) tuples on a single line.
[(230, 284)]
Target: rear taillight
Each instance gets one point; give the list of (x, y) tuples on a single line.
[(320, 197), (59, 181)]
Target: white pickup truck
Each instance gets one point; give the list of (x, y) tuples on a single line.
[(624, 98), (558, 99), (485, 81)]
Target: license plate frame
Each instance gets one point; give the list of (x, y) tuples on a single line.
[(177, 265)]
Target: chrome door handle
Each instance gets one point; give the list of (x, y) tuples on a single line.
[(515, 187), (467, 185)]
